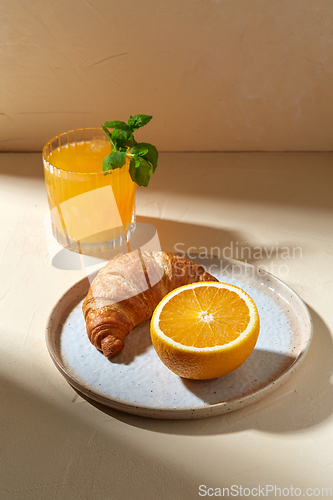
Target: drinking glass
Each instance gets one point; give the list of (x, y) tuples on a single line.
[(91, 210)]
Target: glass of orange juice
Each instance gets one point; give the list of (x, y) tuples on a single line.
[(91, 210)]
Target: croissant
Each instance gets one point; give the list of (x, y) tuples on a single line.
[(127, 290)]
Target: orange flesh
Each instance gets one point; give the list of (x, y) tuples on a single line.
[(204, 317)]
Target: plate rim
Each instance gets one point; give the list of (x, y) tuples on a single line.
[(183, 412)]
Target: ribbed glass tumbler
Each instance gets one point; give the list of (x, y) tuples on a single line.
[(91, 210)]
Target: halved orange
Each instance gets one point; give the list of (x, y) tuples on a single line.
[(205, 330)]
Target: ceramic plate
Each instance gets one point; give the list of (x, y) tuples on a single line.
[(137, 382)]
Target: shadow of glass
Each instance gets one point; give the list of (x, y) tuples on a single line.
[(195, 239), (304, 401)]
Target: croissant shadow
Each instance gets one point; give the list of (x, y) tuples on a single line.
[(134, 345)]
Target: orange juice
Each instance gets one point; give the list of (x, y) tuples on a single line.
[(86, 205)]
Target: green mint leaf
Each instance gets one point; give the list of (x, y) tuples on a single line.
[(138, 121), (132, 167), (138, 150), (140, 174), (123, 139), (106, 165), (152, 155), (117, 124), (108, 133), (143, 156), (114, 160)]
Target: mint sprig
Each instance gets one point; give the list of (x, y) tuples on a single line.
[(143, 156)]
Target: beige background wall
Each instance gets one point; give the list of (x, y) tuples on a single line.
[(215, 74)]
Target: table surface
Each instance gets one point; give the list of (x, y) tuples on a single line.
[(57, 445)]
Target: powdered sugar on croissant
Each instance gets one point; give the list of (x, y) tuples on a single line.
[(127, 290)]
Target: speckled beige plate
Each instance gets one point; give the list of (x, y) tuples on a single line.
[(137, 382)]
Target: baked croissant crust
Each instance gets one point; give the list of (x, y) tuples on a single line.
[(127, 290)]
